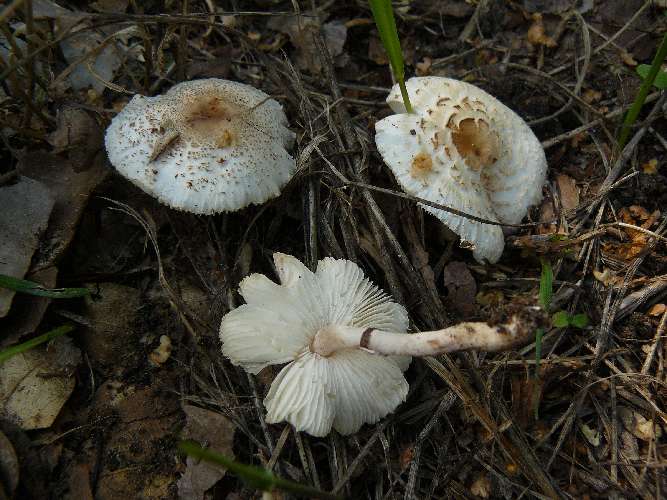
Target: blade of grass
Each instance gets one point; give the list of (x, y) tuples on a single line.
[(546, 291), (386, 24), (546, 284), (636, 107), (25, 346), (255, 477), (32, 288)]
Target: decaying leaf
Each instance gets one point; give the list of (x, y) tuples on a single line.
[(216, 432), (657, 310), (628, 59), (423, 68), (461, 287), (112, 313), (9, 468), (569, 192), (301, 29), (481, 486), (78, 135), (28, 310), (161, 353), (26, 207), (71, 189), (376, 52), (35, 385), (536, 34), (636, 216), (591, 435), (650, 167), (607, 277), (591, 95), (638, 425)]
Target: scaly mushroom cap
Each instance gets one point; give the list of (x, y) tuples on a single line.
[(206, 146), (277, 325), (465, 149)]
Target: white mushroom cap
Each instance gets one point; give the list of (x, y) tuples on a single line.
[(277, 325), (206, 146), (465, 149)]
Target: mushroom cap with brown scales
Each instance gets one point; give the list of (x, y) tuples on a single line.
[(464, 149), (205, 146)]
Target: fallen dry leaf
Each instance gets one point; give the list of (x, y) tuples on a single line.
[(28, 310), (161, 353), (461, 287), (79, 135), (650, 167), (301, 29), (607, 277), (569, 192), (592, 435), (657, 310), (490, 298), (71, 190), (536, 34), (628, 59), (591, 96), (115, 6), (112, 313), (26, 208), (9, 468), (216, 432), (481, 486), (406, 456), (423, 68), (637, 216), (638, 425), (376, 52), (35, 385)]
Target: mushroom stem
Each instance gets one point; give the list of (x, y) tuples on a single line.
[(461, 337)]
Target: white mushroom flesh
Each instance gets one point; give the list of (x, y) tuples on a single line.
[(205, 146), (277, 325), (464, 149)]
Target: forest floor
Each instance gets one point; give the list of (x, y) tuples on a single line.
[(142, 368)]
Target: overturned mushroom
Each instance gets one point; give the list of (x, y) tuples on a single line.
[(464, 149), (344, 341), (206, 146)]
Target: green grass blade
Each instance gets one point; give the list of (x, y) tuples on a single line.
[(546, 290), (636, 107), (255, 477), (25, 346), (386, 24), (32, 288), (546, 285)]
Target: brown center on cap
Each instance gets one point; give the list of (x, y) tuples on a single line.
[(421, 166), (209, 119), (476, 143)]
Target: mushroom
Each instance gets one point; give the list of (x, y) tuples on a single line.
[(344, 343), (277, 325), (205, 146), (464, 149)]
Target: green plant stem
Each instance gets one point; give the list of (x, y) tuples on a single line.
[(546, 291), (32, 288), (255, 477), (383, 14), (404, 93), (636, 107), (25, 346)]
